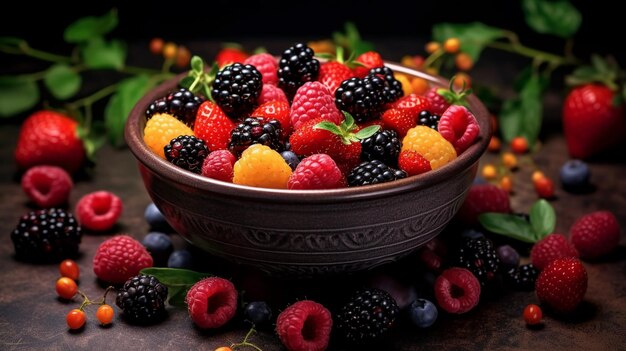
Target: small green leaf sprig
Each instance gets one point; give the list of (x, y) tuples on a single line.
[(541, 222), (177, 280)]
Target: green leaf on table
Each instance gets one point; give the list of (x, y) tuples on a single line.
[(100, 54), (542, 218), (558, 18), (351, 40), (117, 109), (62, 81), (17, 95), (474, 36), (512, 226), (87, 28), (177, 280), (522, 115)]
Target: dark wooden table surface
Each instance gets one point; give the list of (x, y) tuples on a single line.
[(32, 318)]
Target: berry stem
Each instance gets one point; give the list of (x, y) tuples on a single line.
[(516, 47), (245, 342), (432, 58)]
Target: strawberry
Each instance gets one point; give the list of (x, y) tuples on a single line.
[(213, 126), (413, 103), (562, 284), (49, 138), (483, 198), (368, 60), (230, 55), (458, 126), (333, 73), (413, 163), (550, 248), (266, 64), (400, 120), (278, 110), (595, 234), (313, 100), (592, 123)]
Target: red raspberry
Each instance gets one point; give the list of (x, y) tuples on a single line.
[(438, 103), (457, 290), (278, 110), (98, 211), (120, 258), (219, 165), (213, 126), (413, 163), (458, 126), (595, 234), (412, 102), (562, 284), (304, 326), (266, 64), (313, 100), (317, 171), (212, 302), (47, 186), (400, 120), (271, 93), (549, 249), (370, 59), (483, 198)]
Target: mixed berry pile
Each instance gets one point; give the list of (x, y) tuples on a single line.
[(298, 123)]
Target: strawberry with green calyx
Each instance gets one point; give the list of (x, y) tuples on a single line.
[(199, 81), (230, 53), (335, 70), (441, 98)]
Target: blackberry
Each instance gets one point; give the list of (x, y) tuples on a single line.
[(187, 152), (182, 104), (142, 298), (362, 98), (428, 119), (383, 146), (297, 66), (522, 277), (255, 130), (236, 89), (479, 256), (373, 172), (393, 88), (46, 235), (367, 316)]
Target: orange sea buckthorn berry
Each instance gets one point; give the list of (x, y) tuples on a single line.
[(183, 56), (322, 46), (432, 71), (69, 268), (506, 184), (156, 46), (519, 145), (66, 288), (489, 172), (462, 79), (407, 60), (223, 348), (509, 160), (432, 47), (105, 314), (452, 45), (169, 50), (419, 85), (75, 319), (494, 144), (537, 175), (463, 61), (532, 314)]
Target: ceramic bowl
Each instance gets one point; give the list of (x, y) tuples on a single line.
[(307, 232)]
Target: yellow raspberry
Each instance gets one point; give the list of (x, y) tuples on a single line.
[(430, 144), (262, 167), (161, 129)]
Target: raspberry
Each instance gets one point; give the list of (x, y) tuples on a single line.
[(430, 144), (304, 326), (266, 65), (272, 93), (212, 302), (413, 163), (278, 110), (98, 211), (120, 258), (262, 167), (213, 126), (317, 171), (162, 128), (219, 165), (312, 101), (47, 186), (483, 198), (595, 234), (550, 248), (562, 284), (459, 126), (438, 103), (457, 290)]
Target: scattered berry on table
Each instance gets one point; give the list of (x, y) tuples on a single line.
[(425, 118), (494, 144), (69, 268), (46, 235), (236, 89), (532, 314), (213, 126), (332, 73), (509, 160), (479, 257), (373, 172), (562, 284), (368, 60), (509, 257), (47, 186), (105, 314), (519, 145), (99, 210), (266, 65), (383, 146), (272, 93), (595, 234), (506, 183), (155, 218), (457, 290), (459, 126), (258, 313), (278, 110), (66, 288), (575, 175), (304, 326), (550, 248), (423, 313), (430, 144), (180, 259), (255, 130), (260, 166), (544, 187), (489, 172), (212, 302), (75, 319), (219, 165), (120, 258), (181, 104), (187, 152), (463, 61), (291, 158), (483, 198), (522, 278), (368, 315), (318, 171), (161, 129), (313, 100), (159, 246), (413, 163), (142, 299), (297, 65)]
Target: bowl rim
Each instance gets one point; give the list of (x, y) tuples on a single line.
[(133, 133)]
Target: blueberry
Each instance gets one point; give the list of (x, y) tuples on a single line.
[(291, 159), (423, 313), (471, 234), (575, 175), (160, 247), (479, 180), (155, 219), (509, 258), (257, 313), (180, 259)]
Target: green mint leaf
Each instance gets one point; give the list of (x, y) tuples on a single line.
[(522, 115), (474, 36), (186, 82), (87, 28), (117, 109), (508, 225), (367, 132), (348, 121), (176, 296), (509, 119), (351, 40), (558, 18), (17, 95), (197, 64), (62, 81), (99, 54), (601, 71), (177, 280), (329, 126), (542, 218)]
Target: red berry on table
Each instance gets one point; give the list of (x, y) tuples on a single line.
[(47, 186), (304, 326), (49, 138), (483, 198), (267, 65), (213, 126), (519, 145), (66, 288), (105, 314), (532, 314), (212, 302), (550, 248), (413, 163), (70, 269), (278, 110), (219, 165), (457, 290), (317, 171), (98, 211), (595, 234), (75, 319), (229, 55), (120, 258), (544, 187), (333, 73), (271, 92), (562, 284), (368, 60), (459, 126), (313, 100)]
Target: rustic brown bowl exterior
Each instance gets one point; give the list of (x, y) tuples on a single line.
[(307, 232)]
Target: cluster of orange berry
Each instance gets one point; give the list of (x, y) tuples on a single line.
[(67, 288), (178, 55)]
